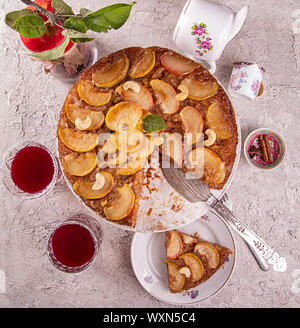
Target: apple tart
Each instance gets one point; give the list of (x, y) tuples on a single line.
[(154, 95), (191, 260)]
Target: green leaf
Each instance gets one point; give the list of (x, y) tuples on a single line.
[(113, 16), (30, 26), (75, 23), (54, 53), (84, 12), (75, 36), (153, 122), (11, 17), (61, 8), (81, 40)]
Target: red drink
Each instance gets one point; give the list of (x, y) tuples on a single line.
[(72, 245), (32, 169)]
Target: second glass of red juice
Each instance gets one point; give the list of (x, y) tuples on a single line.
[(73, 245)]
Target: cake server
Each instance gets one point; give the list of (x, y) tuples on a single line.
[(195, 190)]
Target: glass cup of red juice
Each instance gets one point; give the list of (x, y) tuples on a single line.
[(73, 245), (29, 170)]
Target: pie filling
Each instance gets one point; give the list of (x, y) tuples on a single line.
[(191, 260), (128, 105)]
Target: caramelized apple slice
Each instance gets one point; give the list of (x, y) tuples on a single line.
[(110, 145), (166, 96), (79, 164), (118, 158), (123, 205), (194, 264), (177, 64), (214, 167), (85, 188), (111, 75), (192, 123), (173, 147), (216, 120), (133, 166), (208, 250), (76, 115), (129, 140), (91, 94), (142, 98), (200, 90), (173, 244), (176, 279), (144, 150), (125, 113), (144, 65), (77, 140), (188, 239)]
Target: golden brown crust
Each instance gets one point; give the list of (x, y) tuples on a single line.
[(225, 149)]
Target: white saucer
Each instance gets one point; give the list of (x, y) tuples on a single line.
[(148, 252)]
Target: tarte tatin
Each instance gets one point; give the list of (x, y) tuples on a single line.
[(153, 94)]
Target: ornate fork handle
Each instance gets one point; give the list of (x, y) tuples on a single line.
[(261, 248)]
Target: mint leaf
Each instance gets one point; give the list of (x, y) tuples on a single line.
[(75, 36), (30, 26), (61, 8), (11, 17), (113, 16), (153, 122), (54, 53), (75, 23)]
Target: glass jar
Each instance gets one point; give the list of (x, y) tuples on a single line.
[(68, 68)]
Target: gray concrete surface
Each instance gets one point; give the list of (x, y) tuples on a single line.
[(30, 103)]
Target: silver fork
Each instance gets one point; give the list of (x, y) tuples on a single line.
[(194, 190)]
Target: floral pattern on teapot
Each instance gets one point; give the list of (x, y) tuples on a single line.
[(203, 42)]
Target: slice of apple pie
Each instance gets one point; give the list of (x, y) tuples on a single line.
[(191, 260)]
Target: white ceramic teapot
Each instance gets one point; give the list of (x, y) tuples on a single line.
[(205, 27)]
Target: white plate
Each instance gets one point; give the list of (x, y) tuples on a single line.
[(148, 252)]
